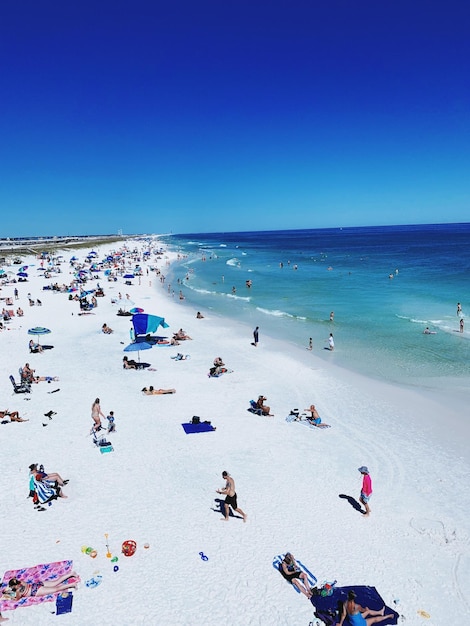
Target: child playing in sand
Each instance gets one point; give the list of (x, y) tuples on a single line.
[(111, 424)]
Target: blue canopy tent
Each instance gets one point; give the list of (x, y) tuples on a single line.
[(145, 324)]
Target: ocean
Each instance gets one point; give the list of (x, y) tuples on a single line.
[(384, 284)]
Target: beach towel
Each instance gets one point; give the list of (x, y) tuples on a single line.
[(326, 607), (36, 574), (203, 427), (311, 578)]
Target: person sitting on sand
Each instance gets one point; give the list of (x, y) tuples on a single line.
[(266, 410), (28, 376), (292, 572), (216, 370), (18, 589), (356, 615), (106, 329), (40, 474), (181, 335), (34, 347), (19, 312), (129, 364), (156, 392), (13, 415), (314, 419), (199, 316)]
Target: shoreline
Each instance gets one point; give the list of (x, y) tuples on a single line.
[(159, 485)]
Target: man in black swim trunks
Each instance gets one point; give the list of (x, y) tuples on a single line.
[(231, 499)]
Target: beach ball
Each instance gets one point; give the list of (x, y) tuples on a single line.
[(129, 547)]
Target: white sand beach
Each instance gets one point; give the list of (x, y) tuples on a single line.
[(158, 486)]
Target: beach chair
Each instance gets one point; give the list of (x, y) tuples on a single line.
[(254, 409), (100, 441), (20, 388)]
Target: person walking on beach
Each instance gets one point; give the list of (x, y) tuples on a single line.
[(459, 308), (331, 342), (461, 324), (97, 414), (231, 497), (366, 491), (255, 337), (310, 344)]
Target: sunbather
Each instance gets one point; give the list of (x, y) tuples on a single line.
[(357, 615), (181, 335), (13, 415), (266, 410), (28, 376), (34, 347), (40, 474), (218, 367), (106, 329), (130, 364), (156, 392), (18, 589), (292, 572)]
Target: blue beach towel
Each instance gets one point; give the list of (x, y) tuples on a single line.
[(326, 607), (203, 427)]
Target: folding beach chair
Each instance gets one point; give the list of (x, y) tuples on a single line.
[(20, 388)]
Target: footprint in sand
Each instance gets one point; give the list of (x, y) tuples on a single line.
[(434, 529)]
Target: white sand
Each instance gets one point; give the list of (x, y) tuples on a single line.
[(159, 485)]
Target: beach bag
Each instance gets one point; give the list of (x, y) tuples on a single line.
[(196, 419)]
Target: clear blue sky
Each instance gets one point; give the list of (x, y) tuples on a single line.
[(200, 116)]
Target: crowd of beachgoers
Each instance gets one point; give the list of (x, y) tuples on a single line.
[(99, 464)]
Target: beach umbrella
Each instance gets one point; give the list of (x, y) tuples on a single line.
[(128, 276), (137, 347), (38, 331), (136, 309), (22, 274)]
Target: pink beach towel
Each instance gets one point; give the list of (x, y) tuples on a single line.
[(36, 574)]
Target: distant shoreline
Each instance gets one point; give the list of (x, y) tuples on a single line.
[(35, 245)]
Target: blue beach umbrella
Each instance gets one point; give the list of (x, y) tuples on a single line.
[(128, 276), (22, 274), (137, 347), (37, 331)]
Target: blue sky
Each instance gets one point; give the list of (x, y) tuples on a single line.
[(181, 116)]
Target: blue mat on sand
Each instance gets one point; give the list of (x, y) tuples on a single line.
[(197, 428), (326, 608)]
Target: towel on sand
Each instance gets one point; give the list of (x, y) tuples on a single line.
[(203, 427), (326, 607), (36, 574)]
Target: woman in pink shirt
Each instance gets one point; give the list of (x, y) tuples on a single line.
[(366, 490)]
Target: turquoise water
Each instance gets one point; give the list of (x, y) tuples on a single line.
[(384, 284)]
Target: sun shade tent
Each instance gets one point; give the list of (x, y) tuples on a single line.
[(145, 324)]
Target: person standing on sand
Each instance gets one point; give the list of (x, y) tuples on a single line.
[(461, 324), (231, 499), (255, 337), (97, 413), (310, 344), (366, 491)]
